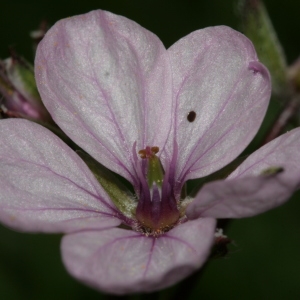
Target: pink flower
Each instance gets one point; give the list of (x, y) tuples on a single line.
[(156, 117)]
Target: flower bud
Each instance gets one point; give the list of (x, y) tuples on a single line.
[(19, 91)]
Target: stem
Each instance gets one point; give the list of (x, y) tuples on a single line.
[(285, 116)]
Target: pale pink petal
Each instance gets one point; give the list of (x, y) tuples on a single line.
[(243, 197), (107, 83), (247, 192), (216, 74), (45, 186), (122, 261), (283, 152)]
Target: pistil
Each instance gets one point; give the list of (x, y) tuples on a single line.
[(157, 209)]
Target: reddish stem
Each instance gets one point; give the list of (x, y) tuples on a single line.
[(284, 117)]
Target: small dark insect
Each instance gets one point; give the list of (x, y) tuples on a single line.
[(191, 116)]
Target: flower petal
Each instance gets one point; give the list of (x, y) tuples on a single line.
[(107, 83), (123, 261), (248, 191), (45, 186), (222, 93)]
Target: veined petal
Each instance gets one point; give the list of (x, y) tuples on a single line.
[(281, 152), (222, 93), (123, 261), (249, 191), (45, 186), (107, 83)]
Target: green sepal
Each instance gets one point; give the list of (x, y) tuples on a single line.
[(120, 195), (257, 26)]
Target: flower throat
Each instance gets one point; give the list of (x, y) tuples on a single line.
[(157, 209)]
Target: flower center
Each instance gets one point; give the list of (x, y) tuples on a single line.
[(157, 209)]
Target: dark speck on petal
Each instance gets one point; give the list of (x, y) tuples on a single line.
[(191, 116)]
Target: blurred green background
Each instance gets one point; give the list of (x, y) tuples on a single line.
[(264, 261)]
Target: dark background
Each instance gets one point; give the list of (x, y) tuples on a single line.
[(264, 261)]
